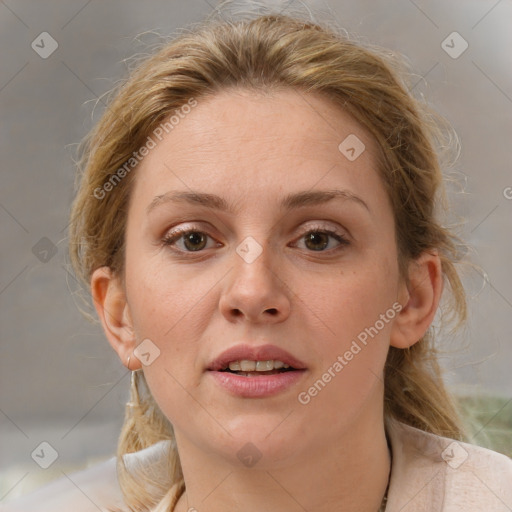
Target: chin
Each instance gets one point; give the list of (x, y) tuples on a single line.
[(259, 440)]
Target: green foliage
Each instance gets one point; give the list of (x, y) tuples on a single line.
[(488, 421)]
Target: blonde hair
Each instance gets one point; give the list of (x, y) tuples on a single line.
[(272, 52)]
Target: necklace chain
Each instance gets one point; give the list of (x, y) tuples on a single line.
[(382, 507), (384, 502)]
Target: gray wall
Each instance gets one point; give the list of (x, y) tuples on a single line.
[(59, 380)]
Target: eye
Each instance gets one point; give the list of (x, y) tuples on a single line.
[(193, 240), (319, 239)]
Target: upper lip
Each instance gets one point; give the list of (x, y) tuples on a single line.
[(258, 353)]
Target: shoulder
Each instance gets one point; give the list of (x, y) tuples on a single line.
[(438, 474), (90, 490)]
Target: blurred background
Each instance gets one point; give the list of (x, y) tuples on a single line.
[(60, 382)]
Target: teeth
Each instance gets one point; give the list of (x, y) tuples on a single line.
[(247, 366), (259, 366), (264, 366)]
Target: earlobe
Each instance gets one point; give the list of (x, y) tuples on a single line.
[(113, 311), (420, 300)]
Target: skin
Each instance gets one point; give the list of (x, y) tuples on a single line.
[(252, 150)]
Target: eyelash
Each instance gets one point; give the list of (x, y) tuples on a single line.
[(171, 238)]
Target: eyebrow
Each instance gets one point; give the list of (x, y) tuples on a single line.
[(290, 202)]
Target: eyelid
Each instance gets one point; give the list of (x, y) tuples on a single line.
[(342, 239), (197, 227), (326, 226), (172, 235), (185, 227), (318, 225)]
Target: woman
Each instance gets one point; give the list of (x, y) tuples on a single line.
[(256, 224)]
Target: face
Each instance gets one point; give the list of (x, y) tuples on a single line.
[(286, 252)]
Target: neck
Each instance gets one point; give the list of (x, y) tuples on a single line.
[(350, 474)]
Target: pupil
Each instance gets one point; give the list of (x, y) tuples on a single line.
[(194, 238), (317, 238)]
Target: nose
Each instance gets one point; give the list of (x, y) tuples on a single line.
[(255, 292)]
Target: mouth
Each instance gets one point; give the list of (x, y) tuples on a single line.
[(247, 368), (256, 372), (255, 360)]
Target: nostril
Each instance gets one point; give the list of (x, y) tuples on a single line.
[(236, 313)]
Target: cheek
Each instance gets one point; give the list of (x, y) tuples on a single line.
[(172, 308), (356, 313), (168, 311), (165, 301), (354, 300)]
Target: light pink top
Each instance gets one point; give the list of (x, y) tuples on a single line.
[(429, 473)]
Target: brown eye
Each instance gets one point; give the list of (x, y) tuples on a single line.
[(318, 240), (187, 240), (194, 241)]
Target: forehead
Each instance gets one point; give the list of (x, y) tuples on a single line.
[(286, 120), (242, 141)]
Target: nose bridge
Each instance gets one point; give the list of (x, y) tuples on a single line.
[(254, 263), (255, 290)]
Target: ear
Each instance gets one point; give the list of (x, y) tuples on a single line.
[(113, 310), (420, 299)]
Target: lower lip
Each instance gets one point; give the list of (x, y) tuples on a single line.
[(257, 387)]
